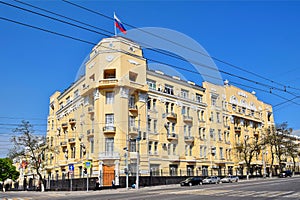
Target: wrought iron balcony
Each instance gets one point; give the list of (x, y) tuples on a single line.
[(171, 115), (172, 136), (189, 138)]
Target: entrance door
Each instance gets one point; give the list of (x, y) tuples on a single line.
[(108, 175)]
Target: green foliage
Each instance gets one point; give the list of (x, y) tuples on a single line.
[(7, 170)]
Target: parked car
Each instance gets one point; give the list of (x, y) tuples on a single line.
[(230, 179), (211, 179), (287, 173), (191, 181)]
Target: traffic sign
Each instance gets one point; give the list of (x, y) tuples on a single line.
[(71, 167), (88, 164)]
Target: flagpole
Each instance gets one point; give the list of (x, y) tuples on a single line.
[(115, 25)]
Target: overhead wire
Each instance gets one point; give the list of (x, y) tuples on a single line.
[(168, 54), (181, 45)]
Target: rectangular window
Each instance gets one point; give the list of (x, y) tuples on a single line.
[(218, 117), (169, 89), (109, 145), (174, 149), (183, 110), (133, 76), (149, 125), (76, 93), (199, 98), (213, 101), (220, 135), (109, 73), (109, 119), (151, 84), (132, 121), (73, 151), (110, 97), (92, 145), (132, 146), (201, 152), (184, 94), (169, 149), (205, 152), (173, 127), (221, 153), (131, 101), (154, 104), (212, 116), (150, 148), (155, 148), (155, 126)]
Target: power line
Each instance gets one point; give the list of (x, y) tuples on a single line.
[(166, 39), (70, 37), (46, 30), (206, 66)]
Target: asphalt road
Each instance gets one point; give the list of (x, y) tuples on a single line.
[(275, 189)]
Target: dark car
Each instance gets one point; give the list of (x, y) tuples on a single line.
[(191, 181), (287, 173)]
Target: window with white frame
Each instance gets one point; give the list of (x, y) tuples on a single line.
[(183, 110), (174, 149), (220, 134), (155, 148), (132, 145), (168, 89), (184, 94), (132, 121), (109, 119), (155, 126), (109, 97), (109, 145), (91, 144), (199, 98), (150, 148), (218, 118), (151, 84)]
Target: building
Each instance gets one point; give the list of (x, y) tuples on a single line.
[(122, 117)]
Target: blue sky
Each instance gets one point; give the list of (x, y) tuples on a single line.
[(260, 36)]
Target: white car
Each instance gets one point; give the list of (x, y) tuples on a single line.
[(211, 179), (230, 179)]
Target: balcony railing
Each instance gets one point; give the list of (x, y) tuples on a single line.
[(109, 155), (171, 115), (109, 129), (187, 118), (108, 82), (172, 136), (189, 138)]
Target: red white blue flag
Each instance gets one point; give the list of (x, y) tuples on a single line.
[(119, 24)]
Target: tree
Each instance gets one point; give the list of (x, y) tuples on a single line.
[(8, 170), (31, 147), (279, 141), (247, 149)]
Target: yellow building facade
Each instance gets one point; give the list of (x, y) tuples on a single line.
[(122, 117)]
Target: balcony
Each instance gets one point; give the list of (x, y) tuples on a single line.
[(106, 83), (72, 121), (109, 129), (107, 155), (90, 132), (237, 129), (172, 136), (171, 115), (187, 119), (133, 155), (63, 144), (189, 138), (91, 110), (72, 140), (132, 108), (64, 125), (133, 131)]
